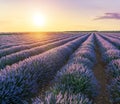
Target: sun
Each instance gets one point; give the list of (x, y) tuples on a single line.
[(38, 20)]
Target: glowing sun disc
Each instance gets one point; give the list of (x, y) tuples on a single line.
[(38, 20)]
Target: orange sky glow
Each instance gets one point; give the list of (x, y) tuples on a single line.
[(59, 15)]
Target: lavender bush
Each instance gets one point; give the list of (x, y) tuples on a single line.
[(111, 55), (16, 57), (114, 41), (82, 60), (114, 90), (113, 68), (63, 99), (14, 49), (22, 81), (76, 80), (76, 76), (103, 44), (86, 54)]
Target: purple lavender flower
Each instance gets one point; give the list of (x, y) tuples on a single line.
[(111, 55), (114, 90), (113, 68), (63, 99), (22, 81)]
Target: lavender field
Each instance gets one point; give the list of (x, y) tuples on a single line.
[(60, 68)]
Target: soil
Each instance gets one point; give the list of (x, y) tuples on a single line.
[(99, 71)]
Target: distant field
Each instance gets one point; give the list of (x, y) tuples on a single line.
[(58, 68)]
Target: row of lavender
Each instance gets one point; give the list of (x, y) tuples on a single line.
[(115, 35), (8, 41), (22, 43), (111, 56), (21, 55), (14, 40), (23, 38), (75, 83), (114, 41), (18, 48), (20, 82)]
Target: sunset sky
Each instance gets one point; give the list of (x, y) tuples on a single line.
[(59, 15)]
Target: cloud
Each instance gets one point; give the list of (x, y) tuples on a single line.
[(115, 16)]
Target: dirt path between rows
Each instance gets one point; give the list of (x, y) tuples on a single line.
[(99, 71)]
